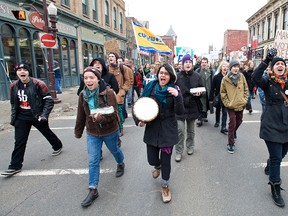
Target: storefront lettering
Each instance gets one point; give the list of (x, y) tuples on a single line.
[(4, 9)]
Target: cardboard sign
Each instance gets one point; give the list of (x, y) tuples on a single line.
[(281, 43)]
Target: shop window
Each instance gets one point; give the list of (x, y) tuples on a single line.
[(101, 52), (25, 48), (96, 52), (56, 53), (41, 67), (65, 59), (90, 53), (10, 58), (73, 58), (85, 55)]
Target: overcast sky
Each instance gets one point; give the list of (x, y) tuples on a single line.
[(197, 23)]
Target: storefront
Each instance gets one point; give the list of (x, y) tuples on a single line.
[(19, 42)]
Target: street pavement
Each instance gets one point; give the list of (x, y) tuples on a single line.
[(209, 182)]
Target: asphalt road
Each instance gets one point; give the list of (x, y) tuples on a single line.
[(210, 182)]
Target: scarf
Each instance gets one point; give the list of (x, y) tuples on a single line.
[(91, 97), (160, 93), (281, 79), (234, 77)]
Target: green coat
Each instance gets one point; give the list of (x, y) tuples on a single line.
[(234, 97)]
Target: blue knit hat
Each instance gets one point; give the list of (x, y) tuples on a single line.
[(186, 58)]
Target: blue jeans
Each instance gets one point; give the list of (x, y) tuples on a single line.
[(58, 85), (94, 145), (277, 152)]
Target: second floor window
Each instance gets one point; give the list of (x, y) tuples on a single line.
[(95, 10), (115, 18), (121, 23), (65, 2), (107, 13), (85, 7), (285, 19)]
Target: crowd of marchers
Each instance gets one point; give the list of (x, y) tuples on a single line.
[(177, 96)]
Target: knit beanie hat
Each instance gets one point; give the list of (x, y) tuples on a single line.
[(276, 59), (93, 70), (22, 65), (185, 58), (233, 63)]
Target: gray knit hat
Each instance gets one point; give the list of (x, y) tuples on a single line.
[(233, 63)]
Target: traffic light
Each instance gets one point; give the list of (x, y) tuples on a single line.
[(19, 14)]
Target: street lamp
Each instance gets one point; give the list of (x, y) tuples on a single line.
[(51, 11)]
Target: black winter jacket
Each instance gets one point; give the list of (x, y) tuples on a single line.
[(39, 98), (192, 104), (274, 119)]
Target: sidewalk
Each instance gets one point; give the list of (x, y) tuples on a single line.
[(67, 107)]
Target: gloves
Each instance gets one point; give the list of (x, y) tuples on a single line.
[(42, 119), (271, 53)]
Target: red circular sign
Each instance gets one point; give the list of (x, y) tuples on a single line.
[(36, 20), (48, 40)]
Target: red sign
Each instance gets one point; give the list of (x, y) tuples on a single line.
[(47, 40), (36, 20)]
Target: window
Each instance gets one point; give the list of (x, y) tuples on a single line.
[(25, 48), (85, 7), (85, 55), (121, 23), (285, 18), (107, 13), (73, 58), (114, 18), (65, 2), (95, 10), (65, 66), (263, 30), (269, 28), (41, 66), (258, 31), (96, 52), (90, 53), (276, 26), (9, 49)]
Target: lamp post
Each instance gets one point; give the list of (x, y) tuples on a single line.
[(51, 11)]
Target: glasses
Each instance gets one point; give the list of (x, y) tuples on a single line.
[(162, 73)]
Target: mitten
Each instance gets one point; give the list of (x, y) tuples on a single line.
[(271, 53)]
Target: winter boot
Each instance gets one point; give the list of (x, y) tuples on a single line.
[(276, 193), (266, 170)]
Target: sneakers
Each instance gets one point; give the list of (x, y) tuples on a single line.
[(199, 123), (57, 152), (166, 194), (216, 124), (10, 172), (224, 131), (156, 172), (120, 169), (178, 157), (190, 151), (230, 148)]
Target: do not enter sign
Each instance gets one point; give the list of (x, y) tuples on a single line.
[(47, 40)]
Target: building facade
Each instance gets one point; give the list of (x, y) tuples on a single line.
[(84, 28), (263, 26)]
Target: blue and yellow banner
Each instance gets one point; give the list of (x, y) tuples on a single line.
[(149, 42)]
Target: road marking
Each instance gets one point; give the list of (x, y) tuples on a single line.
[(257, 165), (53, 172), (72, 128)]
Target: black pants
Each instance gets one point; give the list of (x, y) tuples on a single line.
[(22, 130), (164, 161), (277, 152), (222, 108)]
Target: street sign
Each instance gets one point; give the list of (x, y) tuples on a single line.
[(48, 40)]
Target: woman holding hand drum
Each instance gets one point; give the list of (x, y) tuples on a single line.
[(161, 132)]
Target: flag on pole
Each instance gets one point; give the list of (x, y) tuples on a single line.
[(149, 42)]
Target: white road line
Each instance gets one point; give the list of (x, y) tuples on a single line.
[(72, 128), (53, 172)]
